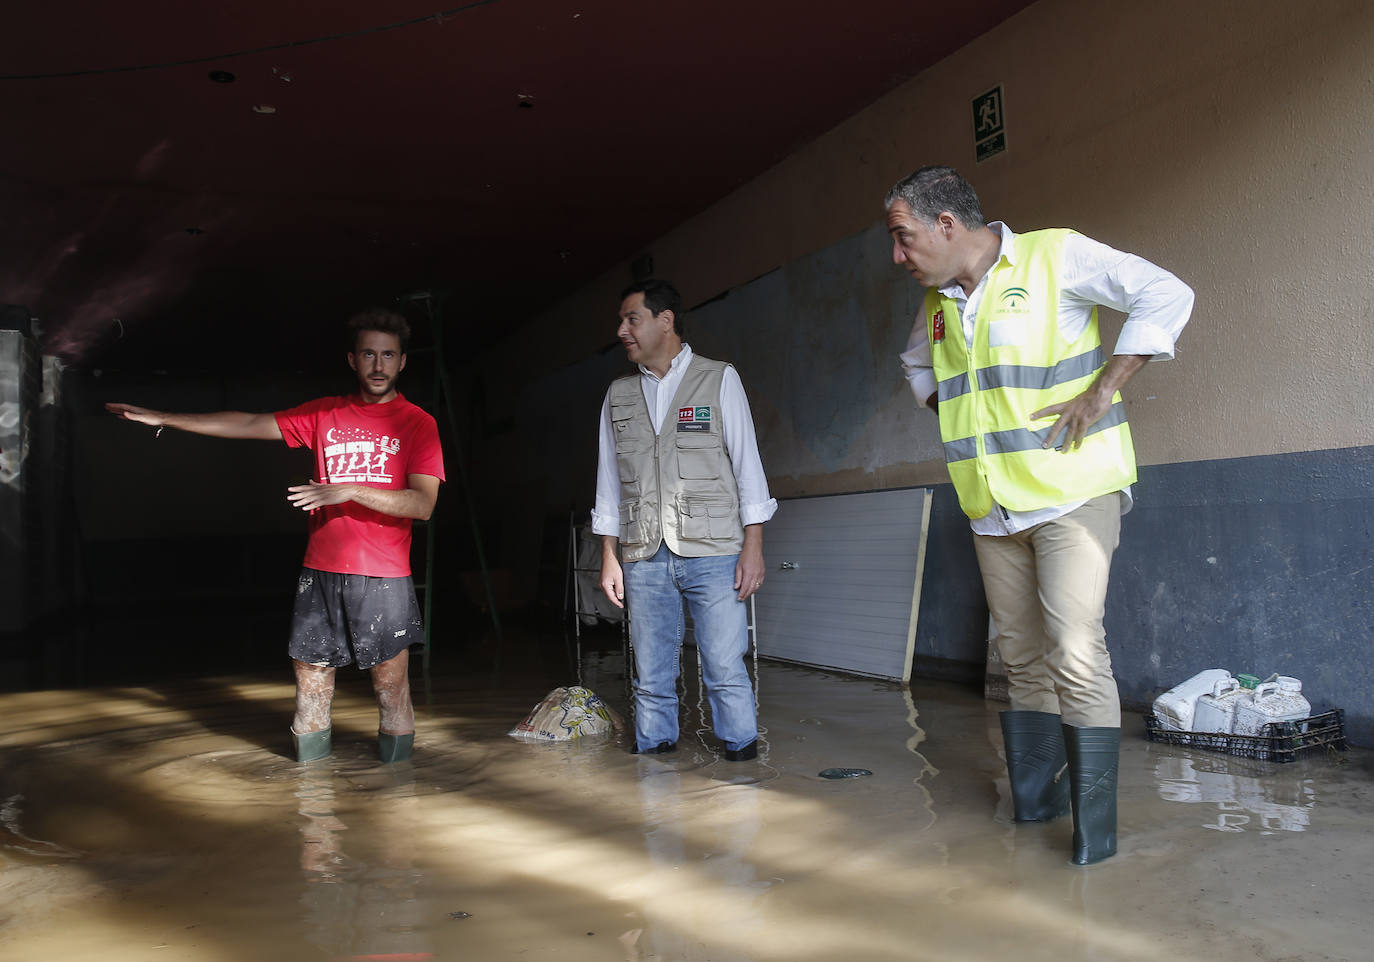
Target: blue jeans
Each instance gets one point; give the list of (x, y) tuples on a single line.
[(655, 590)]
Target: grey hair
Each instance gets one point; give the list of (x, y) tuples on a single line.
[(931, 191)]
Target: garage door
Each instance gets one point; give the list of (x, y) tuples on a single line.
[(844, 581)]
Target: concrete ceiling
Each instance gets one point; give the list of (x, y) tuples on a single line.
[(195, 169)]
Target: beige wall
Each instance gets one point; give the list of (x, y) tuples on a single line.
[(1228, 141)]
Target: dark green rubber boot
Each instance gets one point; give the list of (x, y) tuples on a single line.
[(394, 748), (312, 745), (1094, 756), (1036, 765)]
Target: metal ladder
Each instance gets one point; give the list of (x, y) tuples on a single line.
[(443, 399)]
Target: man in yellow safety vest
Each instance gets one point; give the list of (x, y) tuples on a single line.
[(1006, 351)]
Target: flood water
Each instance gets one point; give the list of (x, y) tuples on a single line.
[(167, 822)]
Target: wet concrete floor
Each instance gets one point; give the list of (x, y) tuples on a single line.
[(165, 822)]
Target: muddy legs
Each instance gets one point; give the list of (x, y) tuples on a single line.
[(310, 727), (396, 714)]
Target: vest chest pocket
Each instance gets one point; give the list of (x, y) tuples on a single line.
[(708, 519), (631, 436), (698, 456), (1007, 332)]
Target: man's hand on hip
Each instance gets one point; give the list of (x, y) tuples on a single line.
[(1078, 415)]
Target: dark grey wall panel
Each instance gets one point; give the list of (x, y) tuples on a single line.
[(953, 626), (1256, 564)]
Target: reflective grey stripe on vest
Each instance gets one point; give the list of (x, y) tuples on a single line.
[(961, 450), (1019, 439), (1041, 378), (1025, 375), (952, 387)]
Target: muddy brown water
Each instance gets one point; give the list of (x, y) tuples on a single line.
[(165, 822)]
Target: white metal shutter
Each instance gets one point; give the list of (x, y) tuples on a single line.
[(844, 581)]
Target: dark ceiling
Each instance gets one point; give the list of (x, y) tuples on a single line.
[(506, 150)]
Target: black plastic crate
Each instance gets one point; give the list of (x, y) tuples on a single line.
[(1277, 742)]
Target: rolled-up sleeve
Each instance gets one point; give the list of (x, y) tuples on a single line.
[(1157, 304), (755, 504), (916, 363), (606, 512)]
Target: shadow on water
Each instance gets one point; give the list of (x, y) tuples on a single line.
[(165, 815), (156, 818)]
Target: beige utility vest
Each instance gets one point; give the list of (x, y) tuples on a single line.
[(677, 486)]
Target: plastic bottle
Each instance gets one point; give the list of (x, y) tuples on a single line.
[(1216, 711), (1174, 709), (1276, 700)]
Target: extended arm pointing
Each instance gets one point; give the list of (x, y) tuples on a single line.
[(219, 424)]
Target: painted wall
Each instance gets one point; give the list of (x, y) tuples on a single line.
[(1228, 141)]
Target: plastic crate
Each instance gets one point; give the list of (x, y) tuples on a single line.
[(1277, 742)]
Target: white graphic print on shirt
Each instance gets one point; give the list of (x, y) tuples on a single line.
[(354, 454)]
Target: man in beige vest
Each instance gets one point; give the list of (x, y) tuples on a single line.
[(681, 499)]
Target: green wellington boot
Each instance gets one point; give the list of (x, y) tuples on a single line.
[(312, 745), (394, 748), (1036, 765), (1094, 756)]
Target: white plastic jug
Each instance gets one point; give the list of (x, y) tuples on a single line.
[(1174, 709), (1216, 711), (1278, 700)]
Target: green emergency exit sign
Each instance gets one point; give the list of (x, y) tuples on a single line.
[(989, 125)]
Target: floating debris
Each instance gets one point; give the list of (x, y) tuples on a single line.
[(459, 915), (845, 773)]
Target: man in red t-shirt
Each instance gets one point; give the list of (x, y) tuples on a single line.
[(378, 466)]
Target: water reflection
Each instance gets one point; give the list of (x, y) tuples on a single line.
[(12, 835), (368, 904), (709, 829), (1278, 802), (927, 770)]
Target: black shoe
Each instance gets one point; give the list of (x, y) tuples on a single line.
[(744, 754), (662, 748)]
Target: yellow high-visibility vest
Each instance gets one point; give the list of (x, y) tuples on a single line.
[(1020, 363)]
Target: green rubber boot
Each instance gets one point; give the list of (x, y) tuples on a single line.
[(1036, 765), (394, 748), (312, 745), (1094, 757)]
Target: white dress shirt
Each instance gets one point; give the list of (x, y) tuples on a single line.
[(1156, 303), (737, 429)]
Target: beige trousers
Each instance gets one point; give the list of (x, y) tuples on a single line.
[(1047, 589)]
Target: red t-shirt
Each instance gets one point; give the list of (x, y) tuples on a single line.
[(357, 443)]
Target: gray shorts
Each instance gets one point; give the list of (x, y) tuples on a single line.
[(340, 619)]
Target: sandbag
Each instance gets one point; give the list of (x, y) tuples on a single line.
[(566, 713)]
